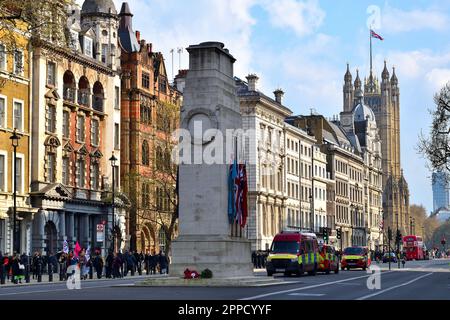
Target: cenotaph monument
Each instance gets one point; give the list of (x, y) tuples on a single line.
[(206, 238)]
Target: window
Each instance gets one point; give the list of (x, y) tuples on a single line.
[(94, 176), (94, 132), (2, 172), (18, 62), (65, 124), (162, 84), (18, 165), (80, 128), (162, 239), (146, 80), (116, 136), (65, 171), (2, 112), (104, 53), (80, 173), (51, 167), (50, 119), (74, 40), (18, 115), (88, 47), (2, 57), (51, 73), (145, 153), (117, 98)]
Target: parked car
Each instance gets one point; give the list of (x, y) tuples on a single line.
[(389, 256)]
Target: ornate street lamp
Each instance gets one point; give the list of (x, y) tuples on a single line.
[(15, 143), (113, 160)]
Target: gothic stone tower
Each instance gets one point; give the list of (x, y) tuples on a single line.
[(384, 100)]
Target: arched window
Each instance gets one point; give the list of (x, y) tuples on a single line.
[(69, 87), (84, 92), (98, 97), (145, 153), (162, 239), (159, 158)]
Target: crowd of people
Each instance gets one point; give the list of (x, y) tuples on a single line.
[(259, 259), (17, 268)]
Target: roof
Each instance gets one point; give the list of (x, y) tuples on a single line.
[(242, 91), (127, 37), (98, 6), (362, 113)]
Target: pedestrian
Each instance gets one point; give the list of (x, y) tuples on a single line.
[(17, 269), (98, 265), (109, 265), (254, 259), (153, 262), (163, 262), (117, 263), (147, 262)]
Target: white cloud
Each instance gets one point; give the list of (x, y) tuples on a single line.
[(303, 17), (438, 77), (395, 20)]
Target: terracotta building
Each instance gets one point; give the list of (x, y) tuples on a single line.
[(149, 114)]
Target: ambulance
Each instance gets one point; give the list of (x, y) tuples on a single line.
[(293, 252), (328, 259)]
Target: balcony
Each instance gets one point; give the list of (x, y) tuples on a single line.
[(69, 94)]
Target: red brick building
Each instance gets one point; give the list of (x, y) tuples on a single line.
[(150, 109)]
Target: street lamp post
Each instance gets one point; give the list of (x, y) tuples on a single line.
[(311, 218), (15, 143), (352, 221), (113, 160), (398, 242)]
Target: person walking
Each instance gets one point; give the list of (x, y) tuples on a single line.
[(109, 265), (163, 262), (153, 262), (17, 269), (98, 265), (117, 263)]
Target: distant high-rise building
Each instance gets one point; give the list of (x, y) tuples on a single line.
[(440, 191)]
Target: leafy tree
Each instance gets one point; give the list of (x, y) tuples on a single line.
[(442, 230)]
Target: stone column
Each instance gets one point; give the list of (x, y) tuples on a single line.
[(38, 231), (62, 226), (71, 228)]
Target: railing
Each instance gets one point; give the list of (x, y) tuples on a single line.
[(69, 94)]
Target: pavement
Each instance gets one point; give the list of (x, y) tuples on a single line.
[(419, 280)]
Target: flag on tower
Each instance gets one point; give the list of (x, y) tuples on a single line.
[(376, 35)]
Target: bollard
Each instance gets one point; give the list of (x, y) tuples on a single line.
[(61, 271), (2, 273), (50, 273), (27, 273), (91, 275)]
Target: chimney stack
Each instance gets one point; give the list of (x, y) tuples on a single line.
[(252, 79), (278, 95), (138, 36)]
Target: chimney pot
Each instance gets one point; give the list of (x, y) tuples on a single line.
[(279, 95), (252, 79)]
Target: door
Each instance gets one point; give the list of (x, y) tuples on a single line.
[(51, 238)]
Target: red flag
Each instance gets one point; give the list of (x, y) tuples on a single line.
[(375, 35), (77, 249)]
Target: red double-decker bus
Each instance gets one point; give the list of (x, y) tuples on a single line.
[(414, 247)]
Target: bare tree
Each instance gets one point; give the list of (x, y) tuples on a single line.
[(436, 147)]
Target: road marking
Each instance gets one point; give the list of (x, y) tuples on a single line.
[(306, 288), (307, 294), (394, 287)]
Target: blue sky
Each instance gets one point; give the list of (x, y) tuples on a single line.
[(303, 46)]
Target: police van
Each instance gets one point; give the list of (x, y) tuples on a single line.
[(293, 252)]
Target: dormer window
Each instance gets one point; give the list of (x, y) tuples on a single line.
[(88, 47)]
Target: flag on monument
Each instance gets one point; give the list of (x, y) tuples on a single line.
[(65, 247), (231, 192), (241, 209), (77, 249), (375, 35)]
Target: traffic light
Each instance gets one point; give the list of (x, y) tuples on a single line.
[(398, 237), (338, 234), (325, 234)]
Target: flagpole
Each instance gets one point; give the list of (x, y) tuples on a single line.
[(370, 37)]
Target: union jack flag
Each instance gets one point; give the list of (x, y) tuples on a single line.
[(373, 34)]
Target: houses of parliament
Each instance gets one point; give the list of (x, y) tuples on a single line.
[(384, 100)]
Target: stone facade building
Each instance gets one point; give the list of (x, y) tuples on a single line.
[(150, 113), (15, 111), (266, 170), (76, 129), (384, 100)]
